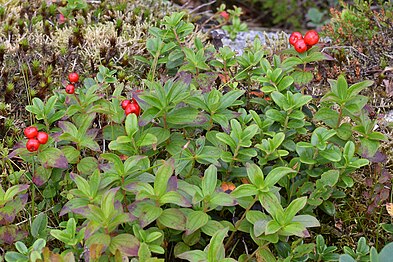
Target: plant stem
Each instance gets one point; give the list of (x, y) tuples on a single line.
[(229, 241), (33, 192)]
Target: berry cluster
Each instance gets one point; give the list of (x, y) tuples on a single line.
[(301, 44), (35, 138), (74, 78), (131, 107)]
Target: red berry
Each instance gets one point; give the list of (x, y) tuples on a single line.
[(311, 37), (300, 46), (32, 144), (294, 37), (125, 103), (70, 89), (42, 137), (73, 77), (225, 15), (133, 108), (30, 132)]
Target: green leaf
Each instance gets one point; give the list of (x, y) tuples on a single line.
[(286, 82), (193, 256), (331, 153), (306, 220), (328, 207), (275, 115), (272, 227), (386, 253), (314, 57), (195, 220), (260, 227), (276, 174), (272, 205), (173, 218), (293, 228), (216, 250), (330, 177), (131, 125), (21, 247), (255, 175), (229, 98), (111, 132), (183, 116), (12, 192), (71, 153), (302, 77), (222, 199), (244, 190), (279, 99), (87, 165), (38, 227), (346, 258), (388, 228), (39, 244), (294, 207), (349, 151), (225, 138), (108, 202), (209, 181), (162, 176), (15, 256), (291, 62), (342, 88), (147, 140), (211, 227), (327, 115), (356, 88)]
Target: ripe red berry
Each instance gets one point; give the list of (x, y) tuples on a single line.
[(133, 108), (32, 144), (311, 37), (300, 46), (125, 103), (42, 137), (225, 15), (30, 132), (73, 77), (70, 89), (294, 37)]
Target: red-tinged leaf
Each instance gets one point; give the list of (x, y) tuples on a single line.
[(99, 238), (10, 234), (75, 205), (174, 197), (41, 175), (12, 208), (91, 228), (53, 157), (127, 244), (172, 184)]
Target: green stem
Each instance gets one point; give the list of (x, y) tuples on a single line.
[(33, 192), (287, 120), (340, 114), (154, 64), (238, 223)]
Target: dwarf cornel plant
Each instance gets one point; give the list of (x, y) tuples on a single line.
[(114, 186)]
